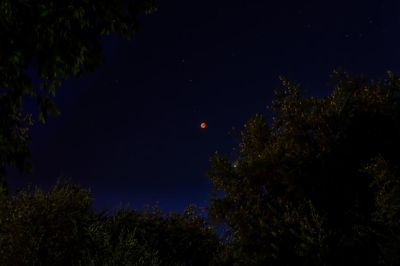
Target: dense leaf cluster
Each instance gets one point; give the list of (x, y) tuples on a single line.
[(319, 184), (61, 228)]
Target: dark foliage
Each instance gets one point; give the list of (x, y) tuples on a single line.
[(61, 228), (46, 229), (51, 40), (173, 239), (319, 185)]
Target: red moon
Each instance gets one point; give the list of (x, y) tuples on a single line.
[(203, 125)]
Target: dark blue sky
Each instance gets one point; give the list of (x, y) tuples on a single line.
[(130, 131)]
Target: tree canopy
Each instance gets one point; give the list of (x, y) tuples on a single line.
[(61, 227), (318, 184), (51, 41)]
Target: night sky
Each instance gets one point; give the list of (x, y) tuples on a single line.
[(131, 130)]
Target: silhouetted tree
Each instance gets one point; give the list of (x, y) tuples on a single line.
[(52, 41), (61, 228), (38, 228), (173, 239), (319, 184)]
